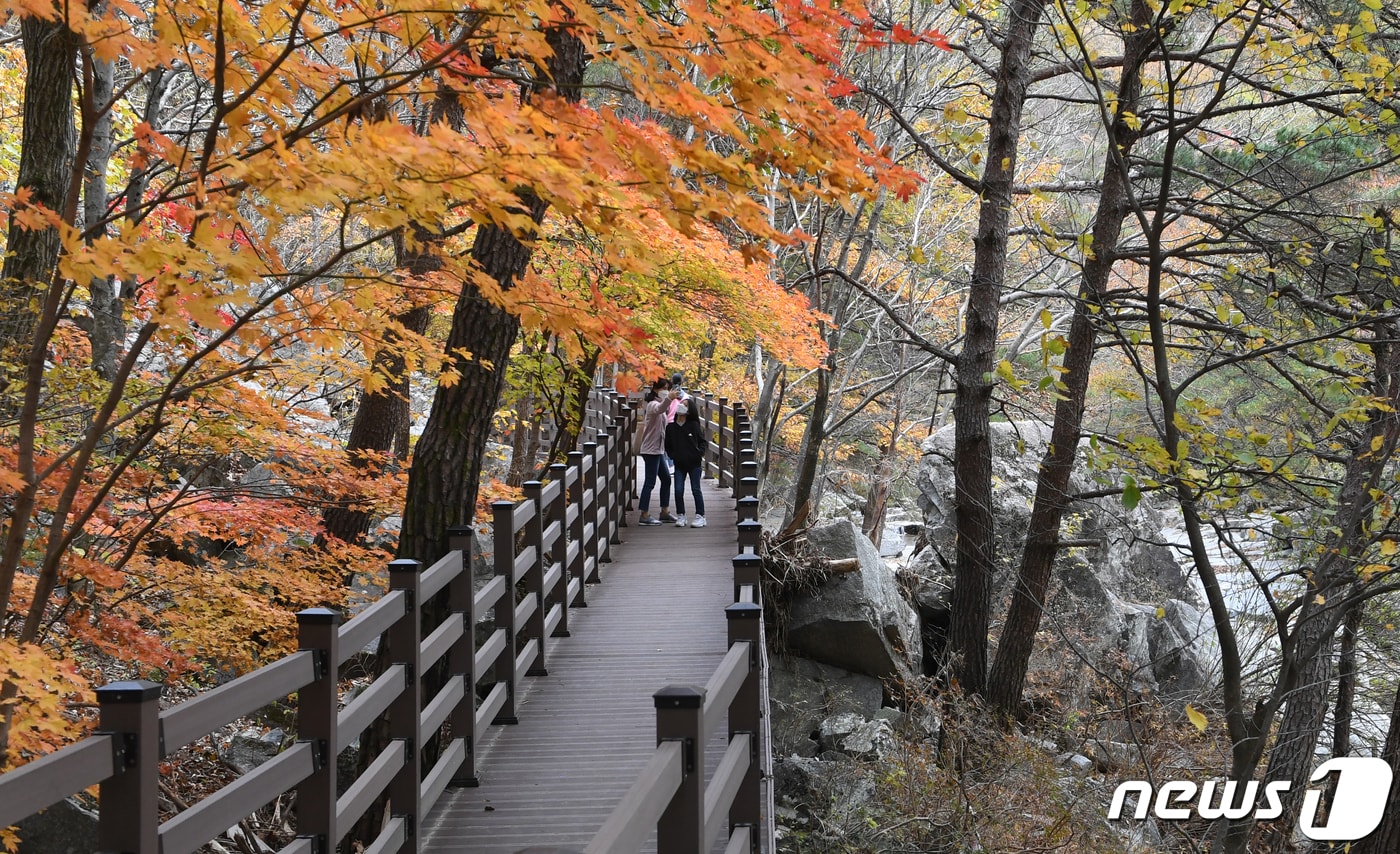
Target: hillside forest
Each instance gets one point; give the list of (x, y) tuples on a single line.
[(290, 287)]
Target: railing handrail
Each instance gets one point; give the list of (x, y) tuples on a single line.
[(556, 564), (686, 814)]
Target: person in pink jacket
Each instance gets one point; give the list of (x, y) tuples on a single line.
[(656, 414)]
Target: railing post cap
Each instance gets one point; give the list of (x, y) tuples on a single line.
[(743, 611), (747, 558), (135, 691), (460, 530), (590, 444), (748, 499), (532, 485), (679, 697), (318, 617), (573, 454), (557, 467), (750, 524), (405, 564), (497, 505)]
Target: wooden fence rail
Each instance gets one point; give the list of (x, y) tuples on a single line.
[(671, 796), (547, 547)]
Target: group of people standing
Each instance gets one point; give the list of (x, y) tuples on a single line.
[(672, 435)]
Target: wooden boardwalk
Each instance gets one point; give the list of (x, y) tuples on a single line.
[(589, 727)]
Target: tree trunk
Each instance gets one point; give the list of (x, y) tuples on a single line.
[(519, 441), (46, 170), (566, 432), (972, 469), (1386, 838), (1344, 709), (443, 483), (810, 457), (1307, 659), (1052, 499), (107, 326), (47, 154), (877, 499), (379, 422)]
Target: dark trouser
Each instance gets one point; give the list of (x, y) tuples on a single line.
[(694, 476), (654, 468)]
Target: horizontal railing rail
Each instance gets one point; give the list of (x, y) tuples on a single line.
[(547, 548), (670, 796)]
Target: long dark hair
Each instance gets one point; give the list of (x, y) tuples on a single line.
[(691, 410)]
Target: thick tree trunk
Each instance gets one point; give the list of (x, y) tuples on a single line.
[(47, 154), (972, 469), (1052, 499), (443, 482), (46, 171), (1386, 838)]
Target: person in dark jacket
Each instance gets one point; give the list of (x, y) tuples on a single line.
[(686, 444)]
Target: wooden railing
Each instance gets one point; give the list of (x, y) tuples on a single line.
[(567, 527), (671, 796)]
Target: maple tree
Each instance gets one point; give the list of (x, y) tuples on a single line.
[(232, 213)]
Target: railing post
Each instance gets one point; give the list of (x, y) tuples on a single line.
[(590, 512), (575, 568), (461, 657), (559, 551), (680, 710), (722, 442), (750, 530), (534, 579), (503, 518), (622, 492), (748, 569), (630, 485), (745, 712), (129, 811), (617, 484), (318, 630), (405, 713)]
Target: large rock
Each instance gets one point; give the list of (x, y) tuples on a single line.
[(804, 693), (825, 794), (252, 747), (859, 620), (855, 736), (1105, 592)]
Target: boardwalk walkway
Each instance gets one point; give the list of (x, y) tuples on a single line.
[(588, 727)]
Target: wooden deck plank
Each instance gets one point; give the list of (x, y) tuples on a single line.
[(587, 729)]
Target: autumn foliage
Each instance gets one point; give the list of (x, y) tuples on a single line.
[(162, 510)]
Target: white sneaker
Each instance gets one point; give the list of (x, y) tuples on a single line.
[(699, 522), (680, 521)]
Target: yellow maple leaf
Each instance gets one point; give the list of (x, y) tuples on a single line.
[(1197, 719)]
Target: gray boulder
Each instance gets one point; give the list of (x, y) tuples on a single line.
[(854, 736), (803, 693), (840, 791), (859, 620), (250, 748), (1105, 590)]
